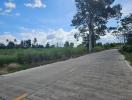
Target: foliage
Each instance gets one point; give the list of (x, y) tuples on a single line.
[(109, 45), (11, 45), (67, 44), (92, 16), (124, 31), (127, 28), (47, 45), (127, 48), (33, 56), (127, 52), (6, 59)]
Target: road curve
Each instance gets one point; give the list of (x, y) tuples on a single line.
[(98, 76)]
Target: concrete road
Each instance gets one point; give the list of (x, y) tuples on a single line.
[(98, 76)]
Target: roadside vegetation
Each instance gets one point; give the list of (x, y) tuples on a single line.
[(127, 52), (15, 57), (20, 57), (125, 30)]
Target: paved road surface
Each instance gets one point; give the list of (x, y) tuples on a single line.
[(97, 76)]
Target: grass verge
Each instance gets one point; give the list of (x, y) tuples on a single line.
[(128, 56)]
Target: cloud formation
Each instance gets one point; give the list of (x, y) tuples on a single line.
[(54, 37), (6, 36), (127, 8), (108, 38), (9, 6), (35, 4)]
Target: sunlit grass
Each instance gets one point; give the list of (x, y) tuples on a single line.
[(32, 56)]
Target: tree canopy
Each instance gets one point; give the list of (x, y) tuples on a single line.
[(92, 16)]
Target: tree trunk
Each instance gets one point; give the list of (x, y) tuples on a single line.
[(91, 37), (93, 40), (90, 41)]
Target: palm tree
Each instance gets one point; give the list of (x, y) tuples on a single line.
[(7, 40), (35, 41)]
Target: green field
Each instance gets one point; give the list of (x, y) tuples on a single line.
[(32, 57), (16, 59)]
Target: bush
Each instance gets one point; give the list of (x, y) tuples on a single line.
[(110, 45), (6, 59), (127, 48), (98, 48), (46, 55)]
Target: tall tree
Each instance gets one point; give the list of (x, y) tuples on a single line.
[(126, 28), (67, 44), (15, 42), (92, 16), (35, 41), (28, 43), (47, 45), (7, 41), (71, 45), (2, 46), (11, 45)]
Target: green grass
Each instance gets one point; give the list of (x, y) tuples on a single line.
[(126, 50), (32, 57), (6, 59), (128, 56)]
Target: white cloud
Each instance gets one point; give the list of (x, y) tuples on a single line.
[(60, 36), (10, 5), (40, 35), (6, 36), (127, 8), (7, 9), (108, 38), (52, 36), (17, 14), (35, 4)]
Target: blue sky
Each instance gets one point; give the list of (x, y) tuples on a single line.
[(55, 15), (23, 18)]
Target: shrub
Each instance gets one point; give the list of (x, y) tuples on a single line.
[(6, 59), (127, 48)]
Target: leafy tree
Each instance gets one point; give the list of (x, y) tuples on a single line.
[(52, 46), (66, 44), (11, 45), (21, 44), (7, 40), (15, 40), (126, 28), (35, 41), (2, 46), (34, 45), (47, 45), (122, 32), (91, 18), (40, 46), (27, 43), (71, 45)]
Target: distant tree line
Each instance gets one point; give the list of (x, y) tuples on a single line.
[(29, 44)]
